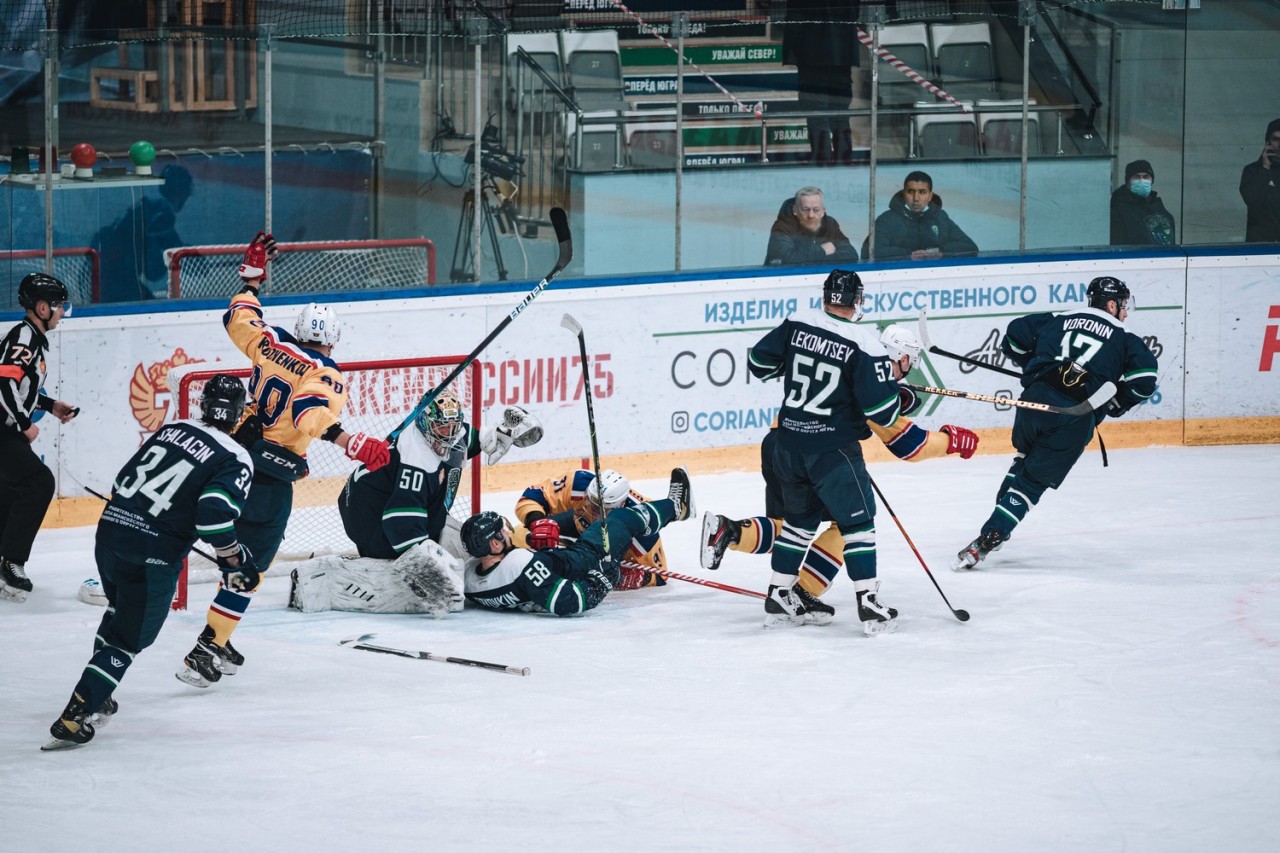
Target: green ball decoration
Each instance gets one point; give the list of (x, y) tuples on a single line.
[(142, 154)]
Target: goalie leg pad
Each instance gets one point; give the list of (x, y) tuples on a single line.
[(434, 575), (310, 592)]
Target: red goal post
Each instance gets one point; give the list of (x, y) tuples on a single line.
[(380, 394), (78, 267), (200, 271)]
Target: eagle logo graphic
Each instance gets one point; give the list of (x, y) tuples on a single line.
[(149, 390)]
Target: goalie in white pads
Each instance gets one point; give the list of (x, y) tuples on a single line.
[(541, 578), (388, 511)]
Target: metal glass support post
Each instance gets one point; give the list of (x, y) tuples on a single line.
[(680, 26), (268, 139), (379, 123), (50, 138), (477, 28), (875, 21), (1027, 14)]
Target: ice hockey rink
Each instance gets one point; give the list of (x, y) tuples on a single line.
[(1117, 689)]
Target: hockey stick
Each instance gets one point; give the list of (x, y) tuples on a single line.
[(962, 615), (928, 345), (576, 328), (691, 579), (364, 646), (559, 221), (1097, 399)]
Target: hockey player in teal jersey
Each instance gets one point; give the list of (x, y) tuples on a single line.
[(188, 480), (1065, 357), (561, 581)]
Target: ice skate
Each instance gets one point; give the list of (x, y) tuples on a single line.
[(816, 611), (877, 618), (977, 550), (71, 730), (718, 533), (103, 715), (681, 494), (782, 609), (200, 666), (14, 583)]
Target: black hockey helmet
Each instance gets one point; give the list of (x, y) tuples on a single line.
[(480, 530), (222, 401), (842, 287), (38, 286), (1105, 288)]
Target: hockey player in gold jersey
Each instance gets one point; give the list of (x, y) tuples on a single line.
[(296, 394)]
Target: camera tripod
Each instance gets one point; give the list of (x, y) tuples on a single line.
[(463, 268)]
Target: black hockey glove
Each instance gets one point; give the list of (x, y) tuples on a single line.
[(239, 572), (248, 433)]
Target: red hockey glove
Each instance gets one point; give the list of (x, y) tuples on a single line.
[(373, 452), (262, 250), (544, 534), (961, 440)]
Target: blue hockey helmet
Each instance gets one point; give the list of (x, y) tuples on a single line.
[(1106, 288), (842, 287), (480, 531)]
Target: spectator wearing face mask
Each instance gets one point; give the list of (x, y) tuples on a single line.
[(1138, 216)]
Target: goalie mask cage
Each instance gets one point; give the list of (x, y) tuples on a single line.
[(380, 394), (199, 271)]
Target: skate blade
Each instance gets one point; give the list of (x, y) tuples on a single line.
[(782, 620), (13, 594), (190, 676), (963, 562), (708, 555), (875, 629), (818, 619), (55, 744), (226, 667)]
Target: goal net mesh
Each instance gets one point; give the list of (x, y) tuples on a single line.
[(200, 271), (380, 395)]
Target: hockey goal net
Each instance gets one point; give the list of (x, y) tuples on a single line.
[(77, 267), (380, 395), (198, 271)]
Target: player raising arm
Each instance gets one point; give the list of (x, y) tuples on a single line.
[(837, 379), (1065, 357), (188, 480), (296, 394)]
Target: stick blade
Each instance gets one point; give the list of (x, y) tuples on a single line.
[(922, 324), (560, 222), (571, 324), (363, 638)]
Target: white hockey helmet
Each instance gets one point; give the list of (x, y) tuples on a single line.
[(616, 489), (900, 341), (318, 324)]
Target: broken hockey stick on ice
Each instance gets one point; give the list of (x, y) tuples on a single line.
[(364, 646), (1096, 400), (560, 222), (691, 579), (927, 343)]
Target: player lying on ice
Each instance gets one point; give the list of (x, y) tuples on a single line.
[(573, 501), (543, 578)]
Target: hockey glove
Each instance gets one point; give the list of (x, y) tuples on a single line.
[(908, 400), (238, 569), (961, 440), (544, 534), (518, 428), (248, 433), (262, 250), (373, 452)]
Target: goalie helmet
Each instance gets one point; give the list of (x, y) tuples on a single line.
[(898, 340), (842, 287), (38, 286), (443, 422), (318, 324), (616, 489), (1105, 288), (480, 531), (222, 401)]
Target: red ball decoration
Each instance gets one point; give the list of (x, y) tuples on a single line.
[(84, 156)]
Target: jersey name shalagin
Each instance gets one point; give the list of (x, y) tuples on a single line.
[(1097, 327), (820, 345), (185, 441), (296, 366)]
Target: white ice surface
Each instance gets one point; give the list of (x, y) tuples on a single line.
[(1118, 689)]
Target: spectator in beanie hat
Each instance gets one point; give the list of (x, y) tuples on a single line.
[(1138, 216)]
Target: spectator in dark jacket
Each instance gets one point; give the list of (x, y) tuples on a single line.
[(804, 234), (1138, 216), (1260, 189), (820, 40), (915, 226)]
